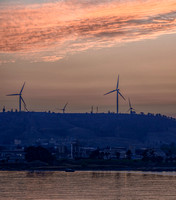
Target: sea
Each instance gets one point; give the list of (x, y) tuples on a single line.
[(87, 185)]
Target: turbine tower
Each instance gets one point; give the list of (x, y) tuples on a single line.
[(91, 111), (131, 109), (63, 109), (20, 98), (117, 90)]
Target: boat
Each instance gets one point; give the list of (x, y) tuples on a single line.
[(69, 170)]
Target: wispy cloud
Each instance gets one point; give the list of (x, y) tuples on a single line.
[(49, 31)]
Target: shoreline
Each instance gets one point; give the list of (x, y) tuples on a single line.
[(55, 168), (90, 165)]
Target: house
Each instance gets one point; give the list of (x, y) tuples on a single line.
[(12, 156)]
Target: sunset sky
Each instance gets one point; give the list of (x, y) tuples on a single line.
[(73, 50)]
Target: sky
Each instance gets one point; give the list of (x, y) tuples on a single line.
[(73, 51)]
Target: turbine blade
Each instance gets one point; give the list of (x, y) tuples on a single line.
[(65, 106), (117, 82), (22, 87), (12, 94), (24, 103), (110, 92), (129, 102), (121, 95)]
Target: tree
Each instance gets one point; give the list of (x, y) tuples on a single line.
[(95, 154), (145, 156), (38, 153), (149, 155), (128, 154), (169, 150), (117, 155)]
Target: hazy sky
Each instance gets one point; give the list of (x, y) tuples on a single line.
[(73, 50)]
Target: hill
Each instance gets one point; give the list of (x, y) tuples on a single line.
[(90, 129)]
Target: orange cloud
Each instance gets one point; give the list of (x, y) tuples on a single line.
[(69, 26), (51, 58)]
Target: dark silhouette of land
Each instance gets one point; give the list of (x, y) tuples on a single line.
[(96, 130), (87, 141)]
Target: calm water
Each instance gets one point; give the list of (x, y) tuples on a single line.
[(87, 185)]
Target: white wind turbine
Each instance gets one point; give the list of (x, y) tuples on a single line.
[(20, 98), (131, 109), (63, 109), (117, 90)]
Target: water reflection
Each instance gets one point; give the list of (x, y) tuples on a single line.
[(38, 174), (100, 174), (104, 185)]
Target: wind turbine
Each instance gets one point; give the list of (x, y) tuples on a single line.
[(91, 111), (20, 98), (97, 109), (117, 90), (131, 109), (63, 109)]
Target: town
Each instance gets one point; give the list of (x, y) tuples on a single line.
[(82, 140)]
